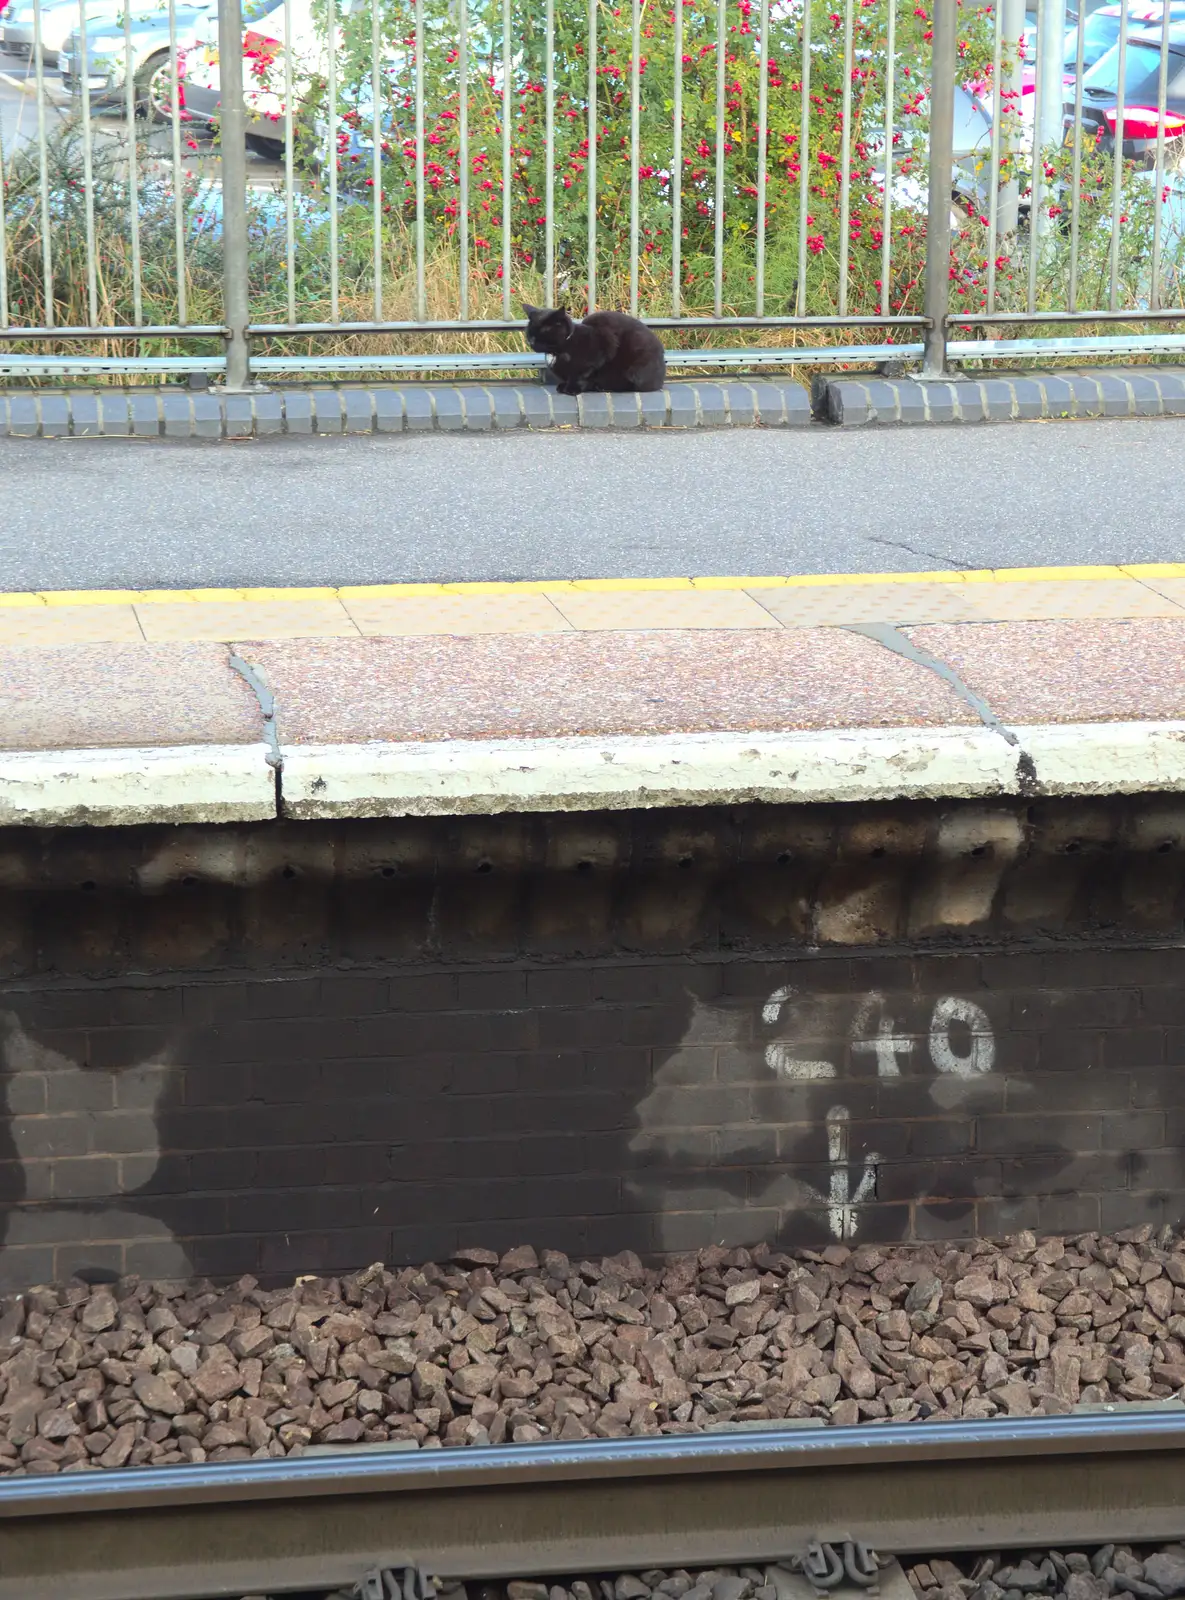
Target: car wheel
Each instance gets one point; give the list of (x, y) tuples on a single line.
[(154, 88)]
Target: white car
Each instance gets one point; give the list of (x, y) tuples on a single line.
[(104, 71), (263, 68), (264, 45), (58, 22)]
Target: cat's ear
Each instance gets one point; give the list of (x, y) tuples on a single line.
[(532, 311)]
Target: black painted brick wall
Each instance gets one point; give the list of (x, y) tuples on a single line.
[(655, 1081)]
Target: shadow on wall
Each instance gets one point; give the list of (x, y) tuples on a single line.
[(390, 1041), (804, 1113), (83, 1141)]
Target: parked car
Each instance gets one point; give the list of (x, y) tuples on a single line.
[(1100, 32), (972, 152), (262, 48), (263, 68), (104, 72), (58, 20), (1141, 82)]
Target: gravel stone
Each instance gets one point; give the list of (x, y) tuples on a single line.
[(99, 1313), (1085, 1586), (158, 1394), (1017, 1575), (216, 1382), (742, 1294), (529, 1345), (1166, 1571), (1026, 1577), (629, 1587), (1069, 1575)]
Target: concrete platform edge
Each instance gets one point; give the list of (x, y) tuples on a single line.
[(173, 412), (858, 400), (863, 399), (223, 783), (122, 787)]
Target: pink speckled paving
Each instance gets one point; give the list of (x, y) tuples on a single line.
[(533, 686), (572, 683), (75, 697), (1082, 671)]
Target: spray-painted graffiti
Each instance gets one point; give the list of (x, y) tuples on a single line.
[(841, 1215), (873, 1032), (822, 1068)]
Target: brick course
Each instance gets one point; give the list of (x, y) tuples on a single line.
[(668, 1072)]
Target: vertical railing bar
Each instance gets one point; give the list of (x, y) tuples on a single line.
[(178, 186), (1161, 102), (845, 158), (289, 168), (887, 214), (1037, 178), (943, 74), (994, 159), (1117, 168), (762, 141), (677, 166), (88, 172), (506, 203), (1076, 176), (331, 96), (236, 297), (718, 261), (376, 169), (3, 242), (549, 154), (635, 153), (592, 155), (43, 169), (463, 116), (804, 158), (129, 87), (421, 290)]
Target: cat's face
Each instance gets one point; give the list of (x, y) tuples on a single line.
[(548, 329)]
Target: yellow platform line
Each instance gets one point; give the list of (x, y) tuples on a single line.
[(384, 591)]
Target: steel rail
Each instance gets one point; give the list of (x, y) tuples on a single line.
[(230, 1529)]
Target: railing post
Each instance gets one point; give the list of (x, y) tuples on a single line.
[(942, 138), (1006, 106), (235, 298), (1051, 48)]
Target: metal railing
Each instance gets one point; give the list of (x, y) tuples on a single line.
[(857, 184)]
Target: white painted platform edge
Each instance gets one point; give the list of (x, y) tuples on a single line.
[(230, 783), (867, 764), (119, 788), (1107, 757)]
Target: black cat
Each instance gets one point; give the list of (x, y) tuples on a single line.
[(608, 350)]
